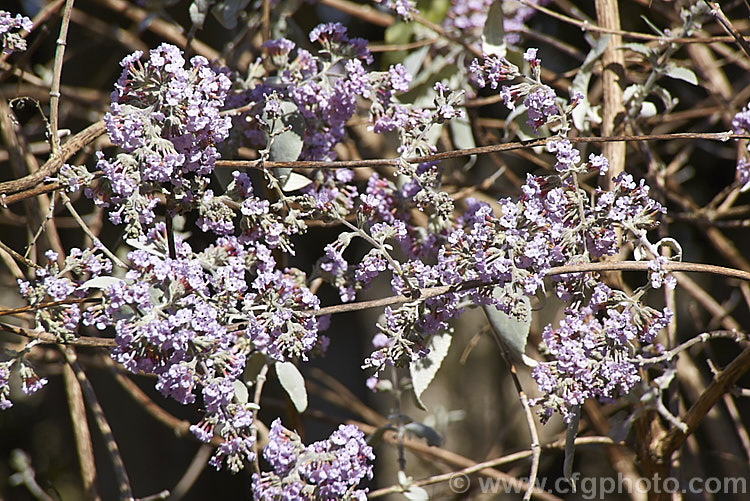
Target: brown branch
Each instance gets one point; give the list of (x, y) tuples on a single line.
[(363, 12), (661, 450), (485, 466), (81, 432), (431, 292), (52, 165), (532, 143), (123, 483), (728, 27), (47, 338), (54, 92)]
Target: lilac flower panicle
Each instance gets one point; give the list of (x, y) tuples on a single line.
[(741, 125), (493, 71), (599, 162), (469, 17), (30, 381), (590, 354), (331, 469), (541, 104), (169, 132), (741, 121), (567, 155), (10, 26), (404, 8), (5, 369)]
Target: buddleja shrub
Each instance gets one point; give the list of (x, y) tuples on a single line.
[(193, 315)]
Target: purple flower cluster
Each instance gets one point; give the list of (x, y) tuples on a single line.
[(170, 317), (494, 70), (281, 330), (741, 125), (324, 88), (541, 104), (553, 223), (591, 351), (12, 41), (386, 113), (328, 470), (469, 17), (55, 284), (539, 99), (30, 381), (404, 8), (5, 401), (166, 119), (658, 276)]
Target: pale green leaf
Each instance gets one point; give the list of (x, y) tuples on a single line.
[(640, 48), (100, 282), (581, 82), (423, 371), (293, 383), (648, 109), (493, 34), (463, 136), (511, 332), (680, 73), (295, 181), (416, 494), (423, 431), (285, 146), (240, 391)]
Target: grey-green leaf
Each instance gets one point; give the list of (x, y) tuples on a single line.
[(415, 493), (293, 383), (680, 73), (423, 371), (285, 146), (510, 332), (228, 11), (570, 445), (423, 431), (198, 10), (240, 391), (493, 34), (648, 109), (581, 81), (295, 182), (640, 48), (100, 282), (463, 136)]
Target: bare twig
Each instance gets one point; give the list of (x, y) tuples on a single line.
[(54, 92), (97, 243), (662, 449), (532, 143), (51, 166), (123, 484), (728, 26), (81, 433), (197, 465)]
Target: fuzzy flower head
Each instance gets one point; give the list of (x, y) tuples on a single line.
[(404, 8), (10, 26), (5, 368), (167, 115), (327, 470), (334, 39)]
